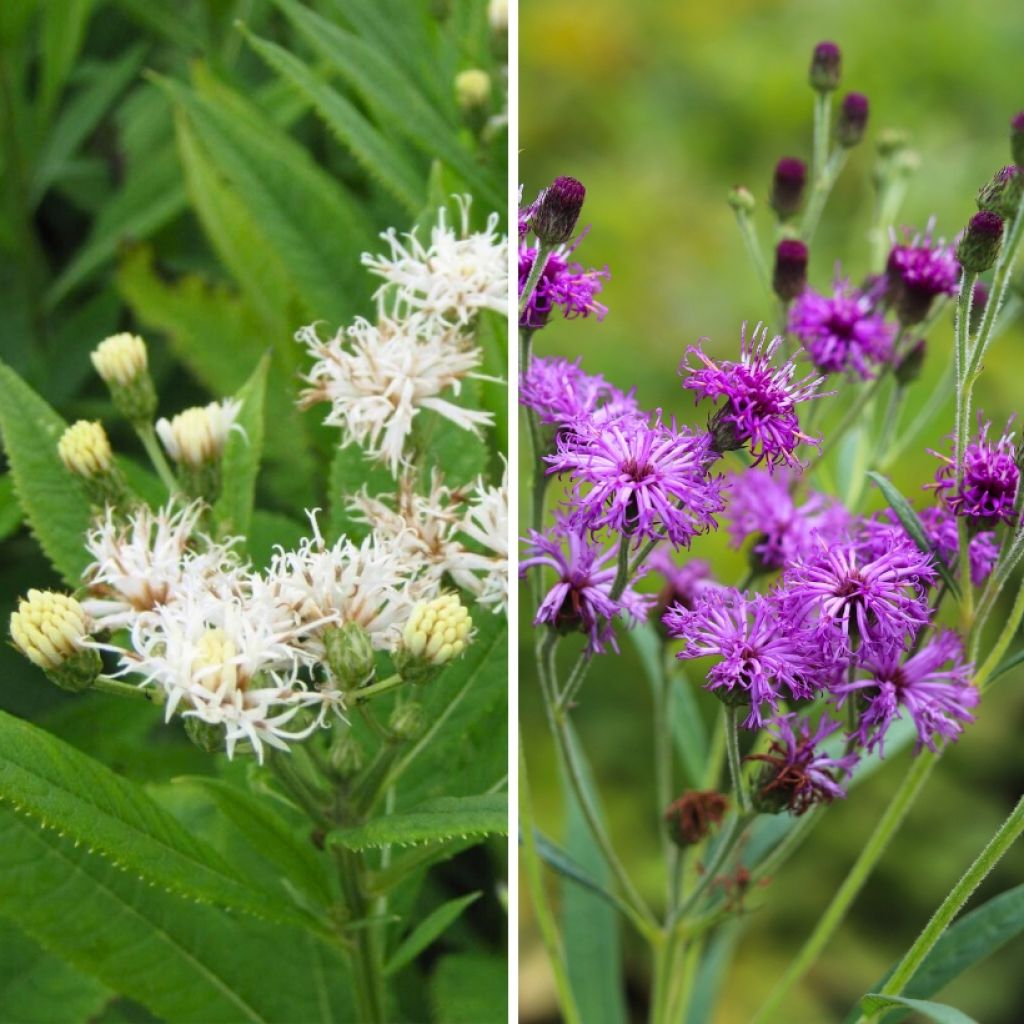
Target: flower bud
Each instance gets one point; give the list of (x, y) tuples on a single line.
[(497, 16), (1002, 194), (826, 66), (790, 276), (437, 632), (689, 819), (195, 440), (1017, 139), (472, 89), (853, 119), (122, 362), (349, 655), (979, 246), (407, 720), (85, 450), (741, 199), (48, 628), (557, 210), (908, 369), (207, 736), (346, 755), (788, 187), (891, 141)]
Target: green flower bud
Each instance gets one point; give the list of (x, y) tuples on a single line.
[(349, 655), (205, 735), (407, 720)]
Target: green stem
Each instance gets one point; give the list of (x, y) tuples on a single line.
[(662, 712), (376, 689), (732, 747), (1003, 642), (847, 892), (1005, 836), (753, 247), (821, 191), (104, 684), (544, 251), (157, 457), (535, 884), (822, 116), (364, 954)]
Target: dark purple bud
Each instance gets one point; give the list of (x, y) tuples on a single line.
[(908, 369), (979, 245), (1017, 138), (826, 64), (979, 300), (690, 819), (1002, 194), (853, 119), (790, 277), (557, 210), (788, 186)]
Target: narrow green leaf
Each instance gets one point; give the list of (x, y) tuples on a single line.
[(54, 502), (937, 1012), (63, 30), (384, 162), (61, 788), (470, 988), (557, 859), (38, 988), (1004, 666), (912, 524), (187, 963), (11, 516), (389, 92), (436, 922), (240, 464), (434, 821)]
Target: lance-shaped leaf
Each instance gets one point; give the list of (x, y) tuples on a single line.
[(937, 1012), (427, 931)]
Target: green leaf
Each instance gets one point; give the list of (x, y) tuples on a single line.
[(38, 988), (384, 162), (61, 788), (188, 963), (557, 859), (350, 473), (975, 936), (63, 30), (1005, 665), (269, 529), (459, 455), (11, 516), (912, 524), (395, 99), (470, 988), (937, 1012), (54, 502), (436, 922), (240, 464), (434, 821)]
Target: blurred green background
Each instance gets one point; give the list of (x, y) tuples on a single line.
[(659, 108)]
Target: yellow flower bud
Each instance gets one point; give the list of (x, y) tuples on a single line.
[(120, 359), (497, 15), (437, 630), (48, 628), (197, 436), (85, 450), (472, 88)]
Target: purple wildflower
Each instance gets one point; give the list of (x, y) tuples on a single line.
[(760, 658), (645, 480), (684, 584), (562, 394), (933, 686), (797, 773), (988, 492), (562, 284), (919, 269), (760, 505), (859, 604), (941, 529), (760, 399), (841, 331), (581, 598)]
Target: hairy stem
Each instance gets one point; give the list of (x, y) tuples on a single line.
[(157, 457)]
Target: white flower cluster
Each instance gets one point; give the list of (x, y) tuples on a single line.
[(378, 376)]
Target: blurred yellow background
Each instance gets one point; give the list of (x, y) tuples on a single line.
[(659, 108)]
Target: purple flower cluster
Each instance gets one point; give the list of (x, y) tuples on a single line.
[(919, 270), (561, 394), (563, 284)]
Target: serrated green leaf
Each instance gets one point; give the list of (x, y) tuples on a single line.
[(384, 163), (430, 928), (937, 1012), (232, 512), (11, 516), (54, 502), (912, 524), (470, 988), (63, 789), (38, 988), (458, 454), (435, 821), (188, 963), (389, 92)]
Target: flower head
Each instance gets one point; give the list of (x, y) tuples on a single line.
[(841, 332), (919, 269), (690, 819), (563, 284), (49, 627), (556, 210), (198, 435), (642, 481), (760, 399), (797, 772), (560, 393), (120, 359), (85, 449), (437, 630), (933, 686)]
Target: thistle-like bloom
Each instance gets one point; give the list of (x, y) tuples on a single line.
[(486, 523), (581, 598), (762, 659), (797, 772), (760, 505), (560, 393), (988, 493), (459, 273), (642, 481), (563, 284), (198, 435), (941, 529), (857, 604), (685, 584), (760, 399), (148, 560), (377, 377), (919, 269), (841, 332), (933, 686)]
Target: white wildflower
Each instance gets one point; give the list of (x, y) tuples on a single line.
[(486, 522), (379, 378), (198, 435), (452, 278)]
